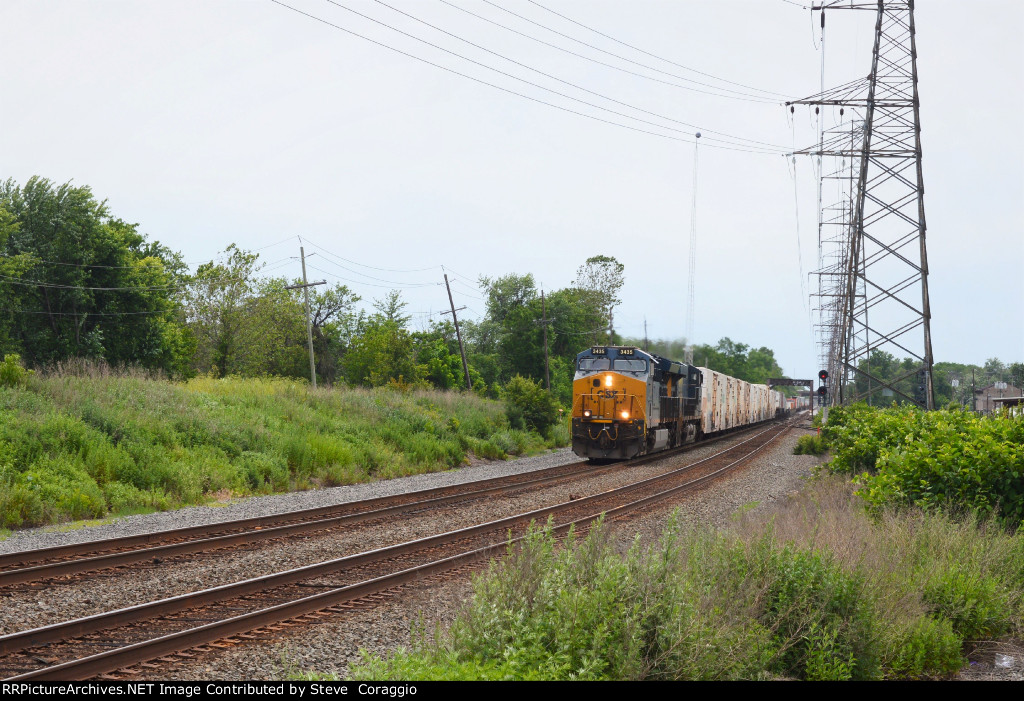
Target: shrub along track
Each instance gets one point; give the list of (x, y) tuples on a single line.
[(260, 607)]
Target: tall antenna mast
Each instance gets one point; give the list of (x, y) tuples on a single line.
[(877, 261), (693, 256)]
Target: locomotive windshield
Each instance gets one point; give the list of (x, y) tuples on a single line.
[(593, 364), (629, 364)]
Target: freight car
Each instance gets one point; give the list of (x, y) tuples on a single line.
[(628, 402)]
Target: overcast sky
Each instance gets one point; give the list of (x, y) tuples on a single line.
[(219, 122)]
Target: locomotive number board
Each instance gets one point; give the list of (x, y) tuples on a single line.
[(625, 351), (598, 350)]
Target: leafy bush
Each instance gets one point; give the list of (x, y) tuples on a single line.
[(12, 372), (924, 646), (817, 590), (951, 459), (714, 609), (810, 444), (529, 405)]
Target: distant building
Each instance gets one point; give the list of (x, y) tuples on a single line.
[(1015, 405), (985, 397)]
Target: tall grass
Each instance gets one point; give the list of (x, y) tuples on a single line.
[(817, 591), (82, 440)]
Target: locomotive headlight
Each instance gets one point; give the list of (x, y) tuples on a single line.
[(607, 380), (625, 414), (586, 414)]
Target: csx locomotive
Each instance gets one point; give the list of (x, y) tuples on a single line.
[(628, 402)]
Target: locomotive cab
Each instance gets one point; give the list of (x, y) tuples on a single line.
[(610, 402), (628, 402)]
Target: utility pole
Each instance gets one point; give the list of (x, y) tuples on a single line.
[(645, 332), (544, 321), (458, 334), (309, 321)]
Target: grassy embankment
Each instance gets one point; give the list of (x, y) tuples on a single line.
[(896, 581), (94, 443)]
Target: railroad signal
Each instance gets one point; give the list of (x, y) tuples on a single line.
[(823, 375), (921, 388), (822, 391)]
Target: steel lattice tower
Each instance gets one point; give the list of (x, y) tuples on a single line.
[(873, 274)]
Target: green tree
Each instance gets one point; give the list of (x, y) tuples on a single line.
[(382, 349), (335, 322), (381, 353), (603, 275), (89, 284), (392, 308), (1016, 372), (216, 308), (439, 361), (507, 337)]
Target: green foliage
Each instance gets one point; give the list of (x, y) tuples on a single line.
[(811, 444), (922, 647), (509, 341), (694, 607), (818, 612), (819, 591), (582, 612), (86, 283), (12, 372), (602, 277), (86, 445), (528, 405), (951, 459)]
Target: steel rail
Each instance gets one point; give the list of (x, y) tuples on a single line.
[(262, 528), (119, 559), (270, 520), (147, 650), (21, 640)]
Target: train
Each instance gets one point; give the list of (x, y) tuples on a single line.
[(629, 402)]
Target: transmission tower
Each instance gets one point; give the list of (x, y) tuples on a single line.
[(873, 267)]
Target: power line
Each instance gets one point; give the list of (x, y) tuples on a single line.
[(378, 279), (738, 95), (505, 73), (594, 60), (569, 83), (135, 288), (371, 267), (370, 284), (79, 314), (660, 58), (503, 89), (467, 294), (456, 273)]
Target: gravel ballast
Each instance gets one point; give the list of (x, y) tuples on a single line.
[(50, 536), (330, 646), (111, 589)]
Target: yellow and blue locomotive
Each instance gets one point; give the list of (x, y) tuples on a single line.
[(628, 402)]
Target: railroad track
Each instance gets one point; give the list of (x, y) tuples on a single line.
[(99, 644), (47, 564)]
